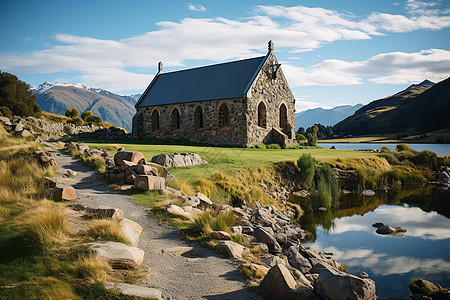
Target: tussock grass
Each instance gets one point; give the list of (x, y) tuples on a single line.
[(307, 165), (107, 230), (91, 268), (182, 186), (48, 226), (212, 220)]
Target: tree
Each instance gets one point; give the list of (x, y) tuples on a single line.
[(301, 130), (72, 113), (17, 96), (94, 119), (312, 136), (86, 114)]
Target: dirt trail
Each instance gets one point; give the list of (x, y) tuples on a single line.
[(178, 277)]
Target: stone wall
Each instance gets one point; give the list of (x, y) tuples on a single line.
[(210, 133), (273, 93)]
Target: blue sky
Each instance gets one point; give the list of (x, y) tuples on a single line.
[(332, 52)]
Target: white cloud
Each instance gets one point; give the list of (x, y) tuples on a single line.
[(296, 29), (389, 68), (196, 7)]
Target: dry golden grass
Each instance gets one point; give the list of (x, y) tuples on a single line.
[(182, 186), (106, 229), (47, 225), (92, 268)]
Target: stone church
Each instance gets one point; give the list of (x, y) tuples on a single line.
[(239, 103)]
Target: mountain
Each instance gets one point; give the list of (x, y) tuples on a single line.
[(420, 108), (326, 117), (57, 97)]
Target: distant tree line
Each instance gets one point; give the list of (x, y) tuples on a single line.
[(314, 133), (16, 97), (86, 117)]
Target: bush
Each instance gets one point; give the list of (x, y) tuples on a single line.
[(94, 119), (327, 188), (273, 146), (390, 158), (76, 121), (259, 146), (404, 147), (426, 158), (68, 129), (306, 164), (312, 139), (72, 113), (86, 114), (385, 149), (300, 138)]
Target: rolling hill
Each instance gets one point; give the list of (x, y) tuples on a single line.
[(326, 117), (420, 108), (115, 109)]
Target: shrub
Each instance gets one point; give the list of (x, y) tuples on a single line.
[(426, 158), (94, 119), (391, 158), (86, 114), (68, 129), (312, 139), (259, 146), (404, 147), (385, 149), (300, 138), (306, 165), (76, 121), (72, 113), (273, 146)]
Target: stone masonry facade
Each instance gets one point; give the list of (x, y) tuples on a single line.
[(265, 116)]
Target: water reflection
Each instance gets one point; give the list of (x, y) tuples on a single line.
[(392, 261)]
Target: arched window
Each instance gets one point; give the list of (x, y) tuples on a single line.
[(224, 119), (198, 117), (175, 119), (155, 120), (283, 116), (262, 115)]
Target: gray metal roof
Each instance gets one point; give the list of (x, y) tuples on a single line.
[(220, 81)]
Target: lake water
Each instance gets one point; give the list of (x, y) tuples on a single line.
[(439, 149), (391, 261)]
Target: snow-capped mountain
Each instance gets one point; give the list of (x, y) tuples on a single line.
[(113, 108)]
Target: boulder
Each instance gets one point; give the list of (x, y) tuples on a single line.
[(65, 193), (134, 157), (6, 121), (220, 235), (25, 133), (260, 247), (171, 191), (428, 289), (190, 200), (118, 255), (70, 173), (50, 183), (205, 202), (303, 293), (18, 127), (131, 230), (133, 290), (177, 211), (231, 249), (298, 261), (178, 160), (278, 283), (386, 229), (274, 260), (145, 170), (248, 239), (236, 230), (125, 164), (334, 285), (149, 182), (265, 237), (105, 212)]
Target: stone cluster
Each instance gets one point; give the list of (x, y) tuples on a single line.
[(178, 160), (112, 133)]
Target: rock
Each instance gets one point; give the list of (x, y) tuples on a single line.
[(149, 182), (50, 183), (70, 173), (368, 193), (125, 164), (18, 127), (377, 225), (263, 217), (236, 230), (177, 211), (145, 170), (25, 133), (274, 260), (105, 212), (323, 209), (82, 147), (303, 293), (131, 230), (190, 200), (259, 270), (427, 288), (281, 237), (263, 236), (363, 274), (133, 290), (260, 247), (277, 284), (386, 229), (171, 191), (220, 235), (248, 239), (178, 160), (334, 284), (231, 249), (298, 261), (6, 121), (118, 255), (65, 193), (205, 202), (134, 157)]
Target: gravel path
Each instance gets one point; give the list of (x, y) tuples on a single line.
[(208, 276)]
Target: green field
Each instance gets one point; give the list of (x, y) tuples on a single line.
[(229, 159)]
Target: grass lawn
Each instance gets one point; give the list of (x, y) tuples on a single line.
[(229, 159)]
